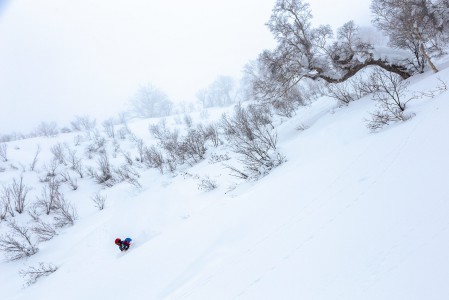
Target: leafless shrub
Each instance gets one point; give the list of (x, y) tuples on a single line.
[(127, 157), (6, 202), (17, 243), (123, 132), (83, 123), (441, 88), (75, 162), (343, 92), (207, 184), (99, 201), (188, 120), (47, 129), (169, 141), (59, 153), (34, 214), (18, 192), (97, 146), (126, 173), (391, 98), (105, 174), (3, 152), (72, 182), (32, 274), (250, 133), (212, 133), (35, 159), (154, 158), (65, 213), (49, 197), (77, 140), (51, 171), (193, 146), (90, 171), (108, 126), (301, 127), (190, 176), (3, 211), (141, 149), (216, 158), (43, 231), (352, 89), (237, 172)]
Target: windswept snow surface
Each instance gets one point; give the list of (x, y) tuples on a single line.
[(350, 215)]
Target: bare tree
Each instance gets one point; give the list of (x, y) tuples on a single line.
[(18, 243), (32, 274), (219, 93), (419, 26), (151, 102), (83, 123), (307, 52), (47, 129)]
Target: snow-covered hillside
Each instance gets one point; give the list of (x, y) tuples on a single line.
[(350, 215)]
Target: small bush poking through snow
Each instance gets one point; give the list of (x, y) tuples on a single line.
[(392, 97), (207, 184), (32, 274), (18, 243), (99, 201)]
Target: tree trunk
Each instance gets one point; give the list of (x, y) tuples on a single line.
[(427, 57), (401, 71)]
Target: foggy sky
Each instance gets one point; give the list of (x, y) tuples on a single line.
[(61, 58)]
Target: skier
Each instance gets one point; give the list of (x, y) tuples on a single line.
[(123, 245)]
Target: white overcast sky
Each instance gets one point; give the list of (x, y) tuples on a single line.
[(61, 58)]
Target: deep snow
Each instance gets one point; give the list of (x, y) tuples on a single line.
[(350, 215)]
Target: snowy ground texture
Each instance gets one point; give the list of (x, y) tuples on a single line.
[(350, 215)]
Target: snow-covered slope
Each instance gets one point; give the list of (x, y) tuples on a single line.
[(350, 215)]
